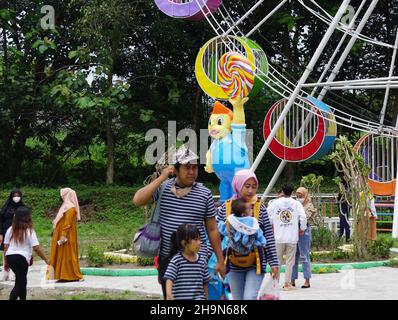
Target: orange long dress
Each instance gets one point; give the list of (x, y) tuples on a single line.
[(64, 259)]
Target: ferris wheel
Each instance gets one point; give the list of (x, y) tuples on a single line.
[(301, 126)]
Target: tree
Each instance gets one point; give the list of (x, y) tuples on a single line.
[(356, 191), (103, 26)]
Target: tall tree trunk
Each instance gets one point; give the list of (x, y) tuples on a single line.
[(110, 148), (5, 56), (19, 150), (110, 141), (289, 172)]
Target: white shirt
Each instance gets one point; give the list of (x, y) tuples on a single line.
[(24, 249), (372, 207), (285, 214)]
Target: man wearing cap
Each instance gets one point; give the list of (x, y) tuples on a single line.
[(183, 201)]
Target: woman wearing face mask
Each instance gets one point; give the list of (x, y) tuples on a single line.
[(13, 202), (304, 243)]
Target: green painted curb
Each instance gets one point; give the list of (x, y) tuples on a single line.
[(118, 272), (354, 265), (154, 272)]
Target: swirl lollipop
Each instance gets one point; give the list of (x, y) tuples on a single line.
[(235, 74)]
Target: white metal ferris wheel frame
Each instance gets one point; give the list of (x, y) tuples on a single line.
[(293, 91), (280, 84)]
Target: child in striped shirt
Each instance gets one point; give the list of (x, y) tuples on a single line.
[(187, 275)]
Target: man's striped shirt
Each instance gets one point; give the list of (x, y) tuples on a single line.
[(193, 208)]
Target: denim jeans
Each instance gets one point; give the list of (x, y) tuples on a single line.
[(245, 285), (303, 252), (344, 226)]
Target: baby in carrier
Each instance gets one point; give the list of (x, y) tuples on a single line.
[(242, 229)]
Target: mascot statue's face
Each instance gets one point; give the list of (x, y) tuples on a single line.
[(219, 125)]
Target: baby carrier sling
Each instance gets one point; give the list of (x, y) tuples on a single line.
[(237, 259)]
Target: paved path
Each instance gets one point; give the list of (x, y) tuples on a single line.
[(373, 283)]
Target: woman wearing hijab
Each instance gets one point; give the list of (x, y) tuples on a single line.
[(245, 282), (13, 202), (64, 255), (304, 242)]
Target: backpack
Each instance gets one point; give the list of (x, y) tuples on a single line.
[(237, 259)]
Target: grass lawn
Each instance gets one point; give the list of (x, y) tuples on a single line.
[(76, 294), (109, 219)]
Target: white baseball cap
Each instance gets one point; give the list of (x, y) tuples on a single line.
[(184, 155)]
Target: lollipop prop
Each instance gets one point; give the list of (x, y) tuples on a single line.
[(235, 74)]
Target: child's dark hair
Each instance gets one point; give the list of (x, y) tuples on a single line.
[(185, 232), (238, 207)]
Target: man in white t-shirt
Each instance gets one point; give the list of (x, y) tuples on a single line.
[(287, 216)]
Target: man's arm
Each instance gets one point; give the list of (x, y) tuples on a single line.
[(144, 195), (214, 237)]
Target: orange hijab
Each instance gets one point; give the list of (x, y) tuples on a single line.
[(70, 201)]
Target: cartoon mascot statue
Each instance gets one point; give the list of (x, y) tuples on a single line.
[(228, 151)]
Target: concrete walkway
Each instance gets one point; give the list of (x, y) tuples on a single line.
[(373, 283)]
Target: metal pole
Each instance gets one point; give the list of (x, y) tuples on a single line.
[(394, 54), (394, 86), (395, 219), (242, 18), (349, 47), (265, 18), (353, 82), (330, 79), (303, 78), (350, 26)]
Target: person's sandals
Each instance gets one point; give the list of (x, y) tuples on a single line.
[(305, 286), (289, 288)]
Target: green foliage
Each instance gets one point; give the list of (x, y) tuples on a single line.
[(339, 254), (355, 190), (380, 248), (95, 257), (324, 239), (327, 269), (120, 245), (59, 81), (145, 261), (393, 262), (311, 181)]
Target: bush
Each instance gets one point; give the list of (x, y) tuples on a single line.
[(145, 261), (327, 269), (380, 248), (95, 257), (339, 254), (324, 239), (393, 262)]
